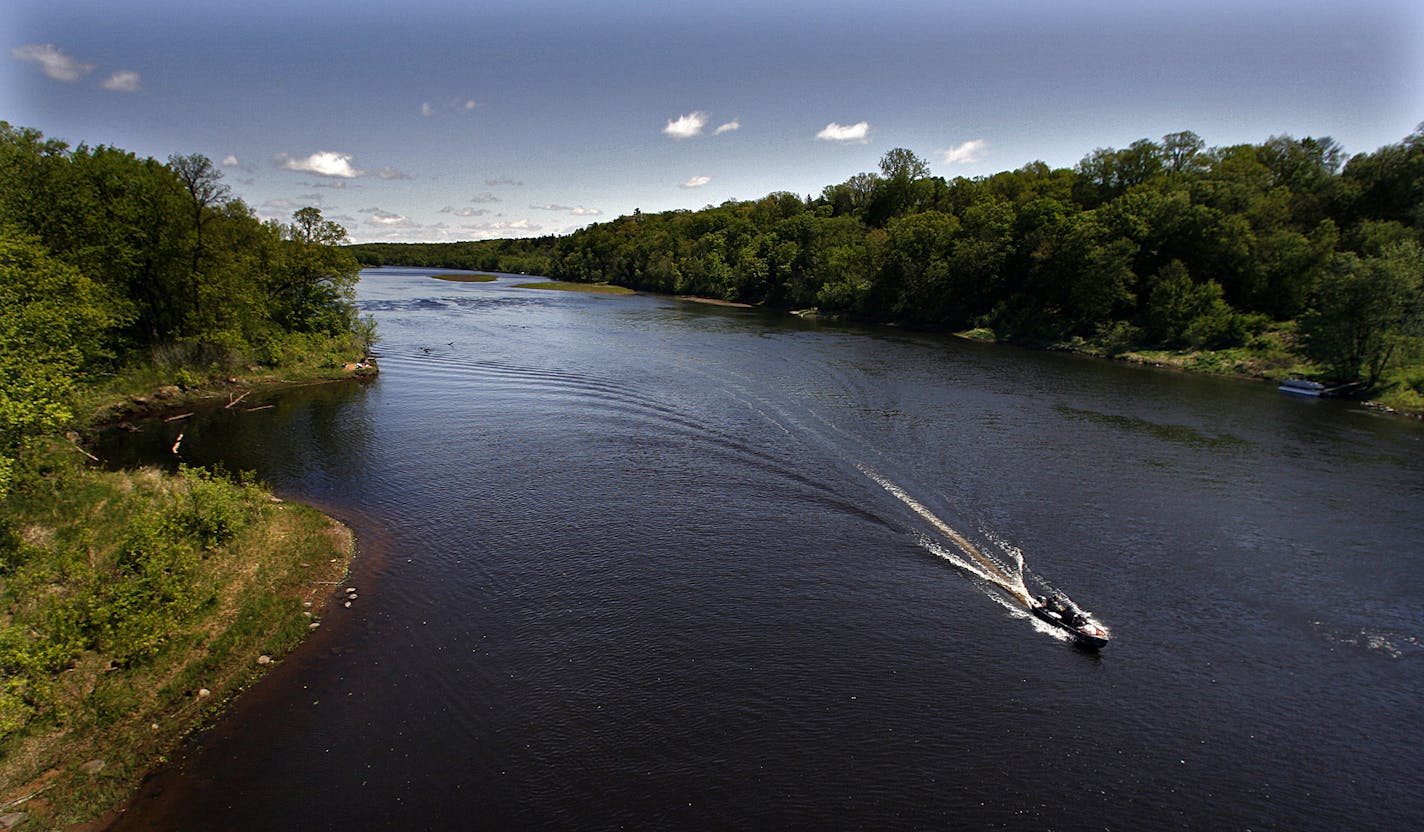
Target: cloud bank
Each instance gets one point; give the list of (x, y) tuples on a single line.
[(464, 212), (574, 210), (385, 219)]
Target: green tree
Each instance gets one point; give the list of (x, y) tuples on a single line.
[(1364, 309), (54, 324), (1389, 183), (316, 280), (900, 163), (1181, 312), (1179, 150), (202, 181), (918, 254)]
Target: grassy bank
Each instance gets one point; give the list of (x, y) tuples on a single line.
[(470, 277), (174, 377), (1269, 356), (135, 604), (592, 288), (132, 605)]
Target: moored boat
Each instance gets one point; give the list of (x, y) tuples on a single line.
[(1306, 387), (1057, 609), (1302, 387)]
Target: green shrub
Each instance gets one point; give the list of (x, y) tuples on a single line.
[(214, 511), (1117, 337), (186, 378), (15, 708)]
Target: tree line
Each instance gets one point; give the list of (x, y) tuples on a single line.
[(1166, 244), (108, 260)]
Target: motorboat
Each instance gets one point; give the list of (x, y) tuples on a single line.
[(1302, 387), (1060, 611), (1306, 387)]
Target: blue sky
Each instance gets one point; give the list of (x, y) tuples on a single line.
[(469, 120)]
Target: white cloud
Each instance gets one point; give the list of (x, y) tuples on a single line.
[(484, 197), (734, 124), (332, 164), (495, 183), (696, 182), (503, 228), (464, 212), (279, 205), (385, 219), (321, 163), (856, 133), (577, 211), (56, 64), (232, 162), (125, 80), (966, 152), (459, 105), (685, 127)]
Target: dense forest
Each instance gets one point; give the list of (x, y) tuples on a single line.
[(109, 261), (1166, 244)]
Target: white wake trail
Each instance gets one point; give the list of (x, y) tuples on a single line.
[(982, 565)]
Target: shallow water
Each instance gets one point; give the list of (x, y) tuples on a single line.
[(625, 564)]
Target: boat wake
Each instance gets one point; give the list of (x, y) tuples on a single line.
[(1005, 583), (1009, 579)]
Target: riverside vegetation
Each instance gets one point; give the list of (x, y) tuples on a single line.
[(132, 603), (1270, 259)]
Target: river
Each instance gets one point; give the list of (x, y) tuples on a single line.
[(638, 562)]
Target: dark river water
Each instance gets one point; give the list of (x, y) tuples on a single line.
[(636, 562)]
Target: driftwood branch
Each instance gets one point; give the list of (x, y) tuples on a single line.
[(176, 418), (231, 401), (255, 409), (82, 451)]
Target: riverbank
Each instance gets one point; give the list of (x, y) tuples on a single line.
[(134, 605), (1396, 395), (148, 394), (1269, 359)]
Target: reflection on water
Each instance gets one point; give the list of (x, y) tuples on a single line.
[(1168, 433), (635, 575)]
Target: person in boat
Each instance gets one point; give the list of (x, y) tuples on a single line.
[(1064, 609)]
